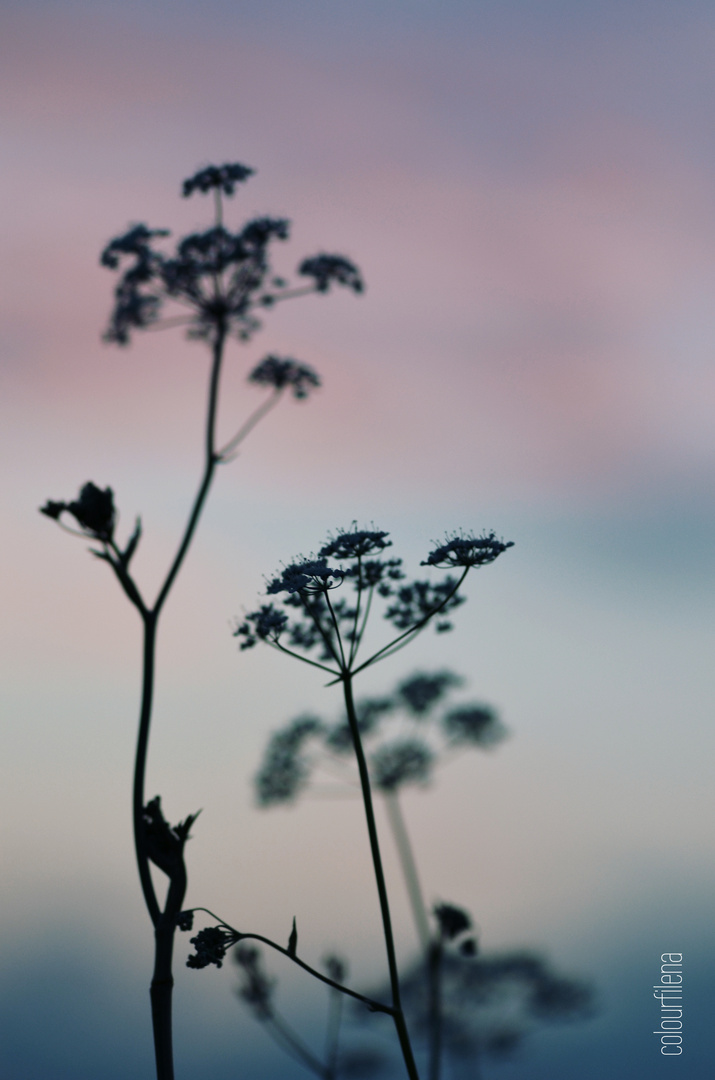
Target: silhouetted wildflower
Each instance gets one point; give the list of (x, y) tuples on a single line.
[(284, 772), (224, 177), (221, 276), (310, 575), (325, 269), (488, 1003), (407, 761), (477, 724), (421, 599), (452, 921), (93, 511), (211, 946), (421, 692), (185, 920), (266, 624), (279, 373), (467, 551), (356, 544)]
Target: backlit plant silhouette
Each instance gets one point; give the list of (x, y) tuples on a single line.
[(321, 618), (462, 1004), (214, 283)]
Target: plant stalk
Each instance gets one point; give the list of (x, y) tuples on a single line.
[(398, 1015), (164, 922)]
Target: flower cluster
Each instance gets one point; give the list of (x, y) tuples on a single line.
[(337, 627), (266, 624), (220, 275), (417, 602), (284, 771), (407, 761), (280, 373), (221, 177), (356, 544), (325, 269), (467, 551), (309, 576), (406, 734), (211, 946)]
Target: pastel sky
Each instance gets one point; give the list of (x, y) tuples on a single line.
[(529, 189)]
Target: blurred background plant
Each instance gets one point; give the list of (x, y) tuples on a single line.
[(464, 1006)]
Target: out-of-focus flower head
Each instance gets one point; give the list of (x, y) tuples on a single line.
[(475, 724), (407, 761), (257, 988), (266, 624), (326, 269), (223, 177), (93, 511), (422, 691), (452, 921), (281, 372)]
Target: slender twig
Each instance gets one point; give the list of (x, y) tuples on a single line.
[(338, 637), (373, 1006), (253, 419), (398, 1016), (332, 1035)]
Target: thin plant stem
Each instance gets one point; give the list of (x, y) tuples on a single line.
[(398, 1015), (434, 977), (338, 637), (408, 867), (292, 1044), (373, 1006), (249, 425), (332, 1036), (164, 921)]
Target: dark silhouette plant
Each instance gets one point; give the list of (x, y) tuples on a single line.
[(330, 634), (462, 1004), (213, 283)]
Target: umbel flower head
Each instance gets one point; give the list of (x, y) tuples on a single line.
[(467, 550), (336, 627), (282, 372), (219, 275), (407, 734)]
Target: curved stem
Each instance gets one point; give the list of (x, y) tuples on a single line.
[(398, 1016), (373, 1006)]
